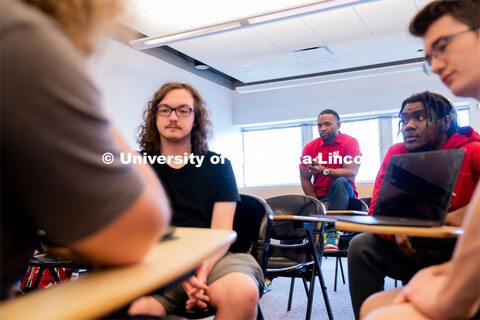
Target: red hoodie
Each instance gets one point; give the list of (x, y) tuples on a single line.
[(466, 138)]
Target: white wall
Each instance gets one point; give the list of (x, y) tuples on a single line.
[(365, 95), (128, 79)]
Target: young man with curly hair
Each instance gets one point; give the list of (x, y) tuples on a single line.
[(203, 193)]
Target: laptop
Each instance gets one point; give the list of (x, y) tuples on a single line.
[(416, 190)]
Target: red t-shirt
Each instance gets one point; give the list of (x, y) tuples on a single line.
[(329, 156)]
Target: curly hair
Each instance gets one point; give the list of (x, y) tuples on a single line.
[(464, 11), (149, 138), (435, 105), (82, 19)]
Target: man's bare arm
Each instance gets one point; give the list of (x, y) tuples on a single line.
[(131, 235), (305, 180)]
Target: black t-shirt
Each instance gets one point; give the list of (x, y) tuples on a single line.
[(194, 189)]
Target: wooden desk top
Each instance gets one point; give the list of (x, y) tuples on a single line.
[(319, 218), (347, 212), (107, 290), (427, 232)]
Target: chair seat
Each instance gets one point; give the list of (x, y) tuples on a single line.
[(338, 253), (280, 264)]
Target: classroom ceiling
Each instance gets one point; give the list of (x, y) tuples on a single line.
[(352, 37)]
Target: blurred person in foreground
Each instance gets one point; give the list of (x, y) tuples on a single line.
[(53, 135), (451, 38)]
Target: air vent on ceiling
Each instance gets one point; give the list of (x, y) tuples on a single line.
[(312, 54)]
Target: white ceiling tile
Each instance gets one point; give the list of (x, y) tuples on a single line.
[(340, 34), (383, 8), (365, 59), (399, 40), (272, 60), (256, 49), (287, 71), (248, 8), (234, 66), (351, 48), (252, 76), (282, 28), (238, 37), (388, 25), (294, 42), (323, 66), (403, 53), (202, 47), (331, 18)]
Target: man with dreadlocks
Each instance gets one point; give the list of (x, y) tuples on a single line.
[(203, 194), (427, 122)]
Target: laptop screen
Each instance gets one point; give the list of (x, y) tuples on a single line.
[(419, 185)]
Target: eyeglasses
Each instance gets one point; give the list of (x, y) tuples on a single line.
[(416, 117), (166, 111), (439, 47)]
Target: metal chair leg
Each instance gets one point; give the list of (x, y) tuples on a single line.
[(305, 286), (259, 313), (310, 295), (336, 273), (290, 295), (341, 269), (320, 276)]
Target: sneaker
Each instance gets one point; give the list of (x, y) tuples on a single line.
[(331, 240), (268, 286)]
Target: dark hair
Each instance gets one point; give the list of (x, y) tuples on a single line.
[(435, 105), (149, 138), (330, 111), (465, 11)]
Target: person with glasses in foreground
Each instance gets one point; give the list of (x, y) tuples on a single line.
[(451, 290), (203, 194)]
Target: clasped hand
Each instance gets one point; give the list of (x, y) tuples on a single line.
[(196, 289)]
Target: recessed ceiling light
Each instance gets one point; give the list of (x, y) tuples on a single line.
[(200, 65)]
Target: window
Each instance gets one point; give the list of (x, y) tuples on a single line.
[(463, 117), (271, 156), (366, 133)]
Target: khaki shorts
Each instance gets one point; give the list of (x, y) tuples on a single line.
[(175, 298)]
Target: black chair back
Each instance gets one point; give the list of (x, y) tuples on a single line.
[(253, 224), (292, 204), (301, 243)]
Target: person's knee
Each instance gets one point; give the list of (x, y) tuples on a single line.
[(237, 292), (378, 300), (147, 305), (357, 247), (340, 182)]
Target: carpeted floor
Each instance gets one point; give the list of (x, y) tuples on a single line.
[(274, 302)]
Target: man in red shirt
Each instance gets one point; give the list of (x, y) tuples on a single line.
[(427, 122), (333, 160)]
